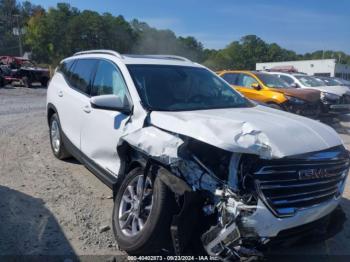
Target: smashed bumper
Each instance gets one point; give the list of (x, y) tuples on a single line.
[(266, 225)]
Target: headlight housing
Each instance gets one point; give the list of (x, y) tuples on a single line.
[(329, 96), (295, 100)]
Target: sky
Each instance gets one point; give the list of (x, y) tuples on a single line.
[(299, 25)]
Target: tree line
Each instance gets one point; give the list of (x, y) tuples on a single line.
[(58, 32)]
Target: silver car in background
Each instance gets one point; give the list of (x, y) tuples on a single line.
[(335, 98)]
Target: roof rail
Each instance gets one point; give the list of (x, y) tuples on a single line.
[(174, 57), (100, 51)]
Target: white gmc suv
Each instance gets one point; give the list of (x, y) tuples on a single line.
[(191, 162)]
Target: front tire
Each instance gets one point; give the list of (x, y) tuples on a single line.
[(155, 209), (57, 146), (44, 82), (26, 82)]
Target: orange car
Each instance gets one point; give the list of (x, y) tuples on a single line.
[(273, 91)]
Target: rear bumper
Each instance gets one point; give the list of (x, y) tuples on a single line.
[(9, 79)]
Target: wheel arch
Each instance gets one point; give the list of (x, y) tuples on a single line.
[(128, 162), (51, 110), (131, 158)]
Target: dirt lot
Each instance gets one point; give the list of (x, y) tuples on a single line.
[(47, 206), (51, 207)]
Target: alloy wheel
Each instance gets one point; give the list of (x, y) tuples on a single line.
[(55, 136), (135, 206)]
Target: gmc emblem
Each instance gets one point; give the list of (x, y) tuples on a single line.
[(314, 173)]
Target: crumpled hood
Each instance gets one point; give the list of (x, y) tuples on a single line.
[(338, 90), (259, 130), (310, 95)]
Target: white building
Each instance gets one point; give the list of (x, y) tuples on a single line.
[(320, 67)]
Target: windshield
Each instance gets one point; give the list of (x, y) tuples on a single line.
[(330, 82), (272, 80), (343, 81), (181, 88), (339, 82), (310, 81)]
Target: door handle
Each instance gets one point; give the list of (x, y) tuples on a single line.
[(87, 109), (60, 93)]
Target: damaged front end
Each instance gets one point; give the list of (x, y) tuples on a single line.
[(245, 200), (224, 240), (215, 175)]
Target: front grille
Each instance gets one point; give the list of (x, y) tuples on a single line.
[(287, 186)]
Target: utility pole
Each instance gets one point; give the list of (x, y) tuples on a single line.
[(19, 36)]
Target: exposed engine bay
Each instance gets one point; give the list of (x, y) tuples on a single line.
[(231, 196)]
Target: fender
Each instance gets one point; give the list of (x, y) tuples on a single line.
[(132, 158)]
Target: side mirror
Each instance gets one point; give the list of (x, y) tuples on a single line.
[(256, 86), (111, 102)]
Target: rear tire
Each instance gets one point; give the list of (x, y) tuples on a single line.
[(155, 233), (57, 146)]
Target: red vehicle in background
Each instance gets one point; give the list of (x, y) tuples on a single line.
[(23, 71), (12, 61)]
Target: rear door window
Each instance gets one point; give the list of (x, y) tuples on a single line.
[(82, 73)]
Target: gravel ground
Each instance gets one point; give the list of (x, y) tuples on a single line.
[(52, 207), (47, 206)]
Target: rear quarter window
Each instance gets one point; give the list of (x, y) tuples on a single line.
[(65, 67)]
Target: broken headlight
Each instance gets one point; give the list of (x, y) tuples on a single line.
[(329, 96)]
